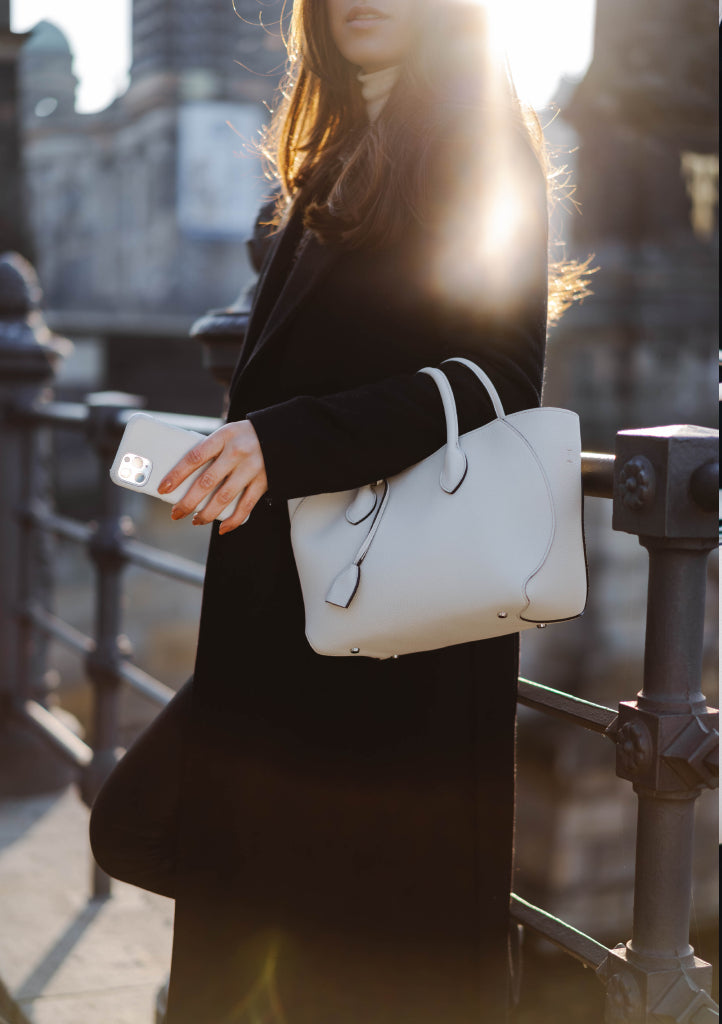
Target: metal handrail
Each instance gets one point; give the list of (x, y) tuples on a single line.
[(144, 684), (134, 552), (75, 640), (177, 567), (598, 474), (77, 415), (583, 948), (567, 707), (56, 732), (59, 630)]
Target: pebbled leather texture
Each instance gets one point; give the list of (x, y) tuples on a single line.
[(449, 556)]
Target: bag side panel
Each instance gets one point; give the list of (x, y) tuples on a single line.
[(559, 589)]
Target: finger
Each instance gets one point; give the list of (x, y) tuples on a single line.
[(228, 491), (228, 476), (213, 476), (191, 461), (255, 490)]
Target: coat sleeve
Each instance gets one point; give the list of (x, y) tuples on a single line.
[(312, 444)]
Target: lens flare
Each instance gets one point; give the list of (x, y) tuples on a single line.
[(541, 41), (501, 225)]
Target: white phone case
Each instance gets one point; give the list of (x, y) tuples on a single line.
[(148, 449)]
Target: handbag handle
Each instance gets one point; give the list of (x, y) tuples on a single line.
[(344, 586), (455, 463), (485, 380)]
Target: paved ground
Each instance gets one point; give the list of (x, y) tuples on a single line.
[(66, 959)]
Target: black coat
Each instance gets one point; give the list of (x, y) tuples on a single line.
[(346, 839)]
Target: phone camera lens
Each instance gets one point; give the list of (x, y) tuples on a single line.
[(140, 478)]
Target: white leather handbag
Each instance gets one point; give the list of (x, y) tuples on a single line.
[(482, 538)]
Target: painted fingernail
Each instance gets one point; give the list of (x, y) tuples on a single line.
[(195, 520), (176, 514), (163, 486)]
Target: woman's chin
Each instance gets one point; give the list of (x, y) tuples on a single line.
[(368, 56)]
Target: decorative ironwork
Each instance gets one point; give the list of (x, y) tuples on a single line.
[(637, 482), (634, 748)]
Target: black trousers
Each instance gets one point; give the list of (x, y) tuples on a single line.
[(135, 817)]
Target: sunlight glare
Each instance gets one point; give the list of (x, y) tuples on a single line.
[(542, 41), (503, 222)]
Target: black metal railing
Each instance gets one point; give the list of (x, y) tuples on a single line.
[(109, 543), (663, 483)]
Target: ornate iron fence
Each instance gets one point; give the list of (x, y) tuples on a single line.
[(663, 483)]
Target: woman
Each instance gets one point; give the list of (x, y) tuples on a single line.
[(337, 833)]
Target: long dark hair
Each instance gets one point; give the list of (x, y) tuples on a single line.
[(361, 183)]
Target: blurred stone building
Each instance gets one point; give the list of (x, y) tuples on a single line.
[(138, 213), (646, 124)]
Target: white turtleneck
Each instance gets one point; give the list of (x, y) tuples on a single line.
[(376, 87)]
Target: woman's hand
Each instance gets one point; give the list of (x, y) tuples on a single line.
[(236, 467)]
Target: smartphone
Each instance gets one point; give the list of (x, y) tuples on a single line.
[(148, 449)]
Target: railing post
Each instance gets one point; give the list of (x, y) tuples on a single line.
[(111, 647), (28, 358), (221, 332), (665, 492)]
